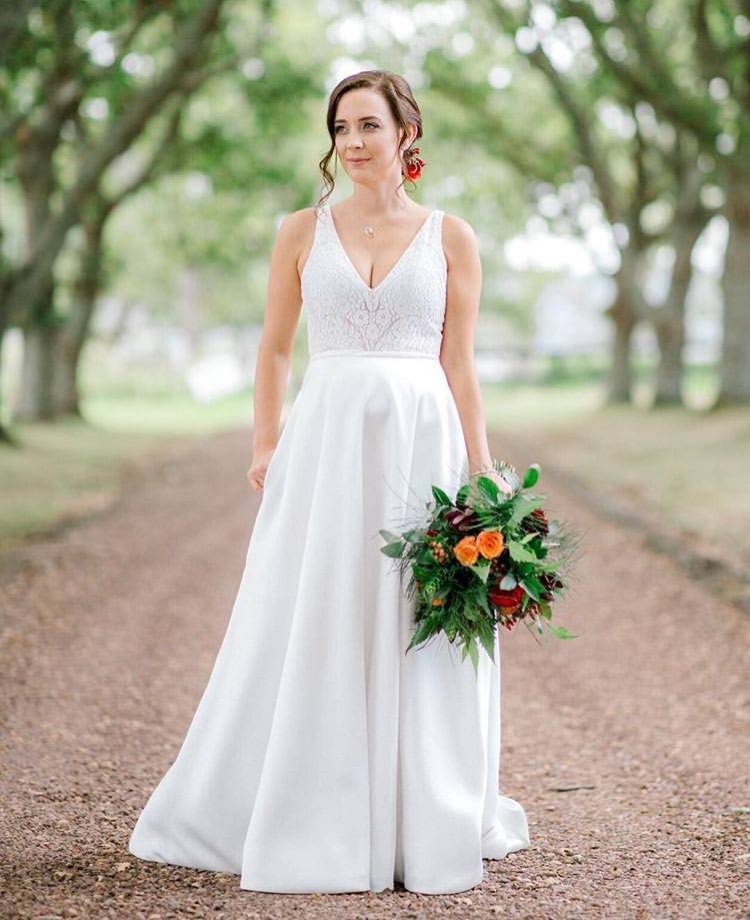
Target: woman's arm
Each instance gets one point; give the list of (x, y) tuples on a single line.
[(283, 305), (464, 289)]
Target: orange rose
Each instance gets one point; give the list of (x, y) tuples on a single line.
[(490, 543), (466, 551)]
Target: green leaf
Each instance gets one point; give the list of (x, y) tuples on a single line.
[(533, 586), (519, 552), (482, 569), (531, 476), (422, 632), (471, 613), (440, 497), (393, 549), (488, 641), (560, 631), (523, 507), (413, 535), (489, 487), (508, 582), (473, 653), (388, 536), (484, 603)]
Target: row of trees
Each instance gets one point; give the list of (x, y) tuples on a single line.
[(646, 105), (677, 76), (95, 100)]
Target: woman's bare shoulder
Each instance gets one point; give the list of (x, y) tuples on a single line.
[(459, 237), (298, 224)]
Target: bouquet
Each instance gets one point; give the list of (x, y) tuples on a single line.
[(486, 558)]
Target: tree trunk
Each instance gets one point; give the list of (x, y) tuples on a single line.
[(735, 364), (65, 353), (35, 401), (619, 378), (71, 339), (669, 323), (670, 334), (6, 438)]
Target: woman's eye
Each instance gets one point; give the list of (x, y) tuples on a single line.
[(370, 124)]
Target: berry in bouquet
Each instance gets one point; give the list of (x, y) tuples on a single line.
[(485, 559)]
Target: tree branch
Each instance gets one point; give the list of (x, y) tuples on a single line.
[(190, 43), (578, 116), (697, 114)]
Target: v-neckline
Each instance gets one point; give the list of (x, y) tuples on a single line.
[(395, 265)]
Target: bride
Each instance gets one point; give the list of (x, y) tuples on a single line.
[(321, 757)]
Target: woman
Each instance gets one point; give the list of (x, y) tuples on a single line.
[(321, 758)]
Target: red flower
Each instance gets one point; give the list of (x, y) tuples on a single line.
[(461, 518), (414, 164), (502, 598)]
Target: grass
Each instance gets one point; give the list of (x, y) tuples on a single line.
[(69, 468), (684, 464)]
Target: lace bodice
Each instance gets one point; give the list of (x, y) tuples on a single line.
[(404, 311)]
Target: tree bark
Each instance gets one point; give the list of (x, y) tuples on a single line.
[(669, 318), (735, 370), (70, 340), (35, 401), (6, 435), (619, 374)]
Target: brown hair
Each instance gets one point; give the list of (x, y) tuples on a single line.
[(396, 92)]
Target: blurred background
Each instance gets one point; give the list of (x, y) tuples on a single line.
[(600, 149)]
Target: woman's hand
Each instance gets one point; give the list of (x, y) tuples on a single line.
[(496, 478), (256, 475)]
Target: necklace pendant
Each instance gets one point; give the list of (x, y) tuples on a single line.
[(369, 231)]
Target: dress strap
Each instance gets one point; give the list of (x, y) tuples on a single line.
[(435, 234)]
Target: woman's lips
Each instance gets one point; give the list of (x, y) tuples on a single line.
[(365, 160)]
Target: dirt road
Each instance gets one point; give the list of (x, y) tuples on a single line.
[(109, 632)]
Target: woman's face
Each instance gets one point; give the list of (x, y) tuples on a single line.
[(367, 136)]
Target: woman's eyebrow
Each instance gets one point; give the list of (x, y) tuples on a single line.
[(363, 118)]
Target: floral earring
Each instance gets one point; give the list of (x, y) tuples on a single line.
[(414, 163)]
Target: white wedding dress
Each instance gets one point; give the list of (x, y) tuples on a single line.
[(321, 758)]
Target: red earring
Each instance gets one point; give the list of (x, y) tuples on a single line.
[(414, 164)]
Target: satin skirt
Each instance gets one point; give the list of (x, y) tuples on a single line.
[(321, 757)]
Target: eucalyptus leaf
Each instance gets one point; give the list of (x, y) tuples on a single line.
[(413, 535), (388, 536)]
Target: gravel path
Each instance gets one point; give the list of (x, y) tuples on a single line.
[(109, 632)]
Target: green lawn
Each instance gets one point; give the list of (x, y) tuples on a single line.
[(687, 465), (67, 469)]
